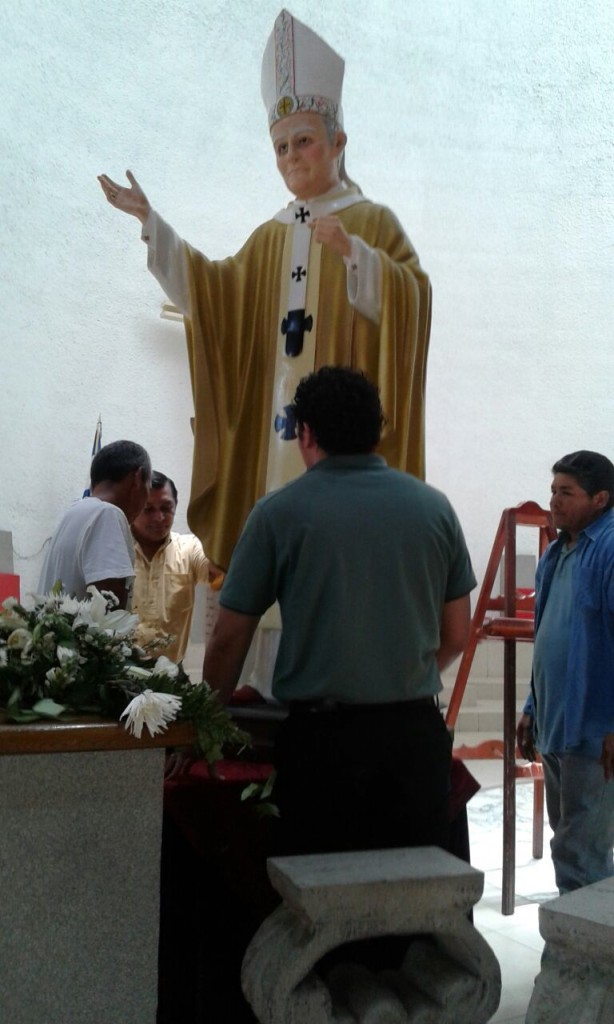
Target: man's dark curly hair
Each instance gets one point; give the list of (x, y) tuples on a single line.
[(342, 408), (592, 471)]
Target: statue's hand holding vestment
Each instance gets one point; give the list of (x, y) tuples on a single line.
[(329, 231)]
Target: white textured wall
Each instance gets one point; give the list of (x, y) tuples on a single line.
[(487, 127)]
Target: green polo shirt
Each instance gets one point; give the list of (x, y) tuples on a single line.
[(361, 558)]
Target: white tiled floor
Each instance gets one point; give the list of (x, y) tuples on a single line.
[(515, 939)]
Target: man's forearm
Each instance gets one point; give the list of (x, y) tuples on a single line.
[(227, 650), (446, 655), (222, 668)]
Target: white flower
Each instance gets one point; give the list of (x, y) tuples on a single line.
[(93, 613), (138, 672), (165, 667), (68, 605), (120, 621), (145, 633), (9, 616), (19, 639), (65, 654), (155, 710)]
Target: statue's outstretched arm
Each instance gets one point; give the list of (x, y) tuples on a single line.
[(165, 250)]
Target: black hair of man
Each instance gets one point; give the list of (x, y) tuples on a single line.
[(592, 471), (158, 481), (342, 408), (117, 460)]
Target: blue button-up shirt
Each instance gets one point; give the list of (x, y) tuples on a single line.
[(588, 687)]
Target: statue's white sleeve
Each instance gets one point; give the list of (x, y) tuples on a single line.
[(364, 279), (166, 259)]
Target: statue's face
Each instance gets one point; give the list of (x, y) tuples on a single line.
[(306, 158)]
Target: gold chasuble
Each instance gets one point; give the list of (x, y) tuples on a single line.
[(240, 335)]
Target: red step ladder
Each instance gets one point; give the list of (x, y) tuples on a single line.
[(513, 623)]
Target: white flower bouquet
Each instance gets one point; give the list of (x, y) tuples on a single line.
[(62, 657)]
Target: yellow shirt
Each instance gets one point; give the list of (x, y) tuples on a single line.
[(164, 590)]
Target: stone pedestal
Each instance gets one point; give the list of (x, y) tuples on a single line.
[(80, 868), (576, 981), (449, 974)]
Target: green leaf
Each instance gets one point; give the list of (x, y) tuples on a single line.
[(13, 702), (252, 790), (20, 716), (266, 810), (260, 791), (47, 708), (267, 789)]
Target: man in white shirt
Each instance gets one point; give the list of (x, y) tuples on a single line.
[(93, 544)]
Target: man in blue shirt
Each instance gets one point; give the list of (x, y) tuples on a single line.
[(569, 714), (372, 575)]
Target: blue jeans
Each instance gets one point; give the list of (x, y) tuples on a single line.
[(580, 806)]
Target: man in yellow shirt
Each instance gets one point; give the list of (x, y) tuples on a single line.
[(168, 568)]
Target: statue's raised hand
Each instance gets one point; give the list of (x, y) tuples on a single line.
[(129, 200)]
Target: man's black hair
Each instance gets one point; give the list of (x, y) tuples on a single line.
[(158, 480), (593, 472), (116, 460), (343, 409)]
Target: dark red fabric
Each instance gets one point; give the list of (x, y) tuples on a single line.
[(202, 800)]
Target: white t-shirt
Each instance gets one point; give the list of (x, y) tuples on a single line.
[(92, 543)]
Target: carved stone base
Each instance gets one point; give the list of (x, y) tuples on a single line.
[(449, 974), (576, 981)]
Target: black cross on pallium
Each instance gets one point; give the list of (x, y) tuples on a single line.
[(285, 426), (299, 273), (303, 214), (293, 327)]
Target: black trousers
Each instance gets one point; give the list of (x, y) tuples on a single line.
[(364, 779)]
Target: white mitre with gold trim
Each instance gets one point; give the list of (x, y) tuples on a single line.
[(300, 72)]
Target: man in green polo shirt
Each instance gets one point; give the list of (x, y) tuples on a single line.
[(372, 575)]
